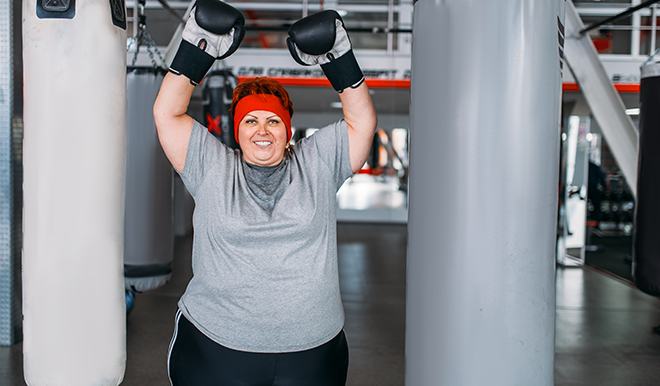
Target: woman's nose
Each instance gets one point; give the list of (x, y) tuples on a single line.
[(262, 129)]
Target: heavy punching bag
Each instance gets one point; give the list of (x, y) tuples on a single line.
[(646, 237), (149, 231), (217, 91), (74, 55), (484, 130)]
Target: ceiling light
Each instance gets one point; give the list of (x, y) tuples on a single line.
[(342, 12), (632, 111), (335, 105)]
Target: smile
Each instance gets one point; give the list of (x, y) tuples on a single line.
[(262, 143)]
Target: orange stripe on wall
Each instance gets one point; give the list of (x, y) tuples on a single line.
[(405, 83), (626, 87), (371, 82), (620, 87)]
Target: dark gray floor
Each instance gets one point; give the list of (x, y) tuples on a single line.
[(603, 334), (604, 331)]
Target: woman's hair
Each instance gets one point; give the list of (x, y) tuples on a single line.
[(261, 85)]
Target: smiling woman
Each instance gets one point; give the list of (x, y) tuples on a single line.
[(263, 138), (262, 113), (263, 305)]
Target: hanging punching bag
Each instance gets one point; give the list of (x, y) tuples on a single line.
[(217, 91), (149, 229), (646, 238), (484, 164), (74, 57)]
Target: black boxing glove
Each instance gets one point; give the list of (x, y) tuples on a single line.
[(213, 31), (322, 39)]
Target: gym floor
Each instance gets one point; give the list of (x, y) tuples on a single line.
[(603, 331)]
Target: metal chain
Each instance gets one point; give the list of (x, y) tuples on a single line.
[(137, 48), (650, 59), (151, 47), (144, 38)]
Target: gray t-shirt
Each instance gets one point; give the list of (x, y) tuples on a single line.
[(265, 245)]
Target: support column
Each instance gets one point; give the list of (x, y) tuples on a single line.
[(485, 107), (10, 181)]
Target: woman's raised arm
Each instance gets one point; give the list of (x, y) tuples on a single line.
[(213, 31), (322, 39), (360, 115), (172, 122)]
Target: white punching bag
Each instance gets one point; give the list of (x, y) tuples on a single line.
[(485, 99), (74, 55)]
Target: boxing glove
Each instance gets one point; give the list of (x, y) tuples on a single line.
[(213, 31), (322, 39)]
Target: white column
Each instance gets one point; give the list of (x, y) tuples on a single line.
[(404, 44), (634, 35)]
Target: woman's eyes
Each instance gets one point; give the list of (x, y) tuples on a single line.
[(272, 122)]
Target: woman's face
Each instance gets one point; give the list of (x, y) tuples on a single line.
[(263, 138)]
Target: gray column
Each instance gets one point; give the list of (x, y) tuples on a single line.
[(484, 169), (10, 185)]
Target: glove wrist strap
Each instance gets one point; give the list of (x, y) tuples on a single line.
[(191, 62), (343, 72)]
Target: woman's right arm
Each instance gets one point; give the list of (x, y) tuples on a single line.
[(172, 122), (198, 50)]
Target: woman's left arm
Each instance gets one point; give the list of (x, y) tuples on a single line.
[(309, 44), (360, 115)]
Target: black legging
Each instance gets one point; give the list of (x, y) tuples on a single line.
[(196, 360)]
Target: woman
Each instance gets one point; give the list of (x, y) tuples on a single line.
[(263, 306)]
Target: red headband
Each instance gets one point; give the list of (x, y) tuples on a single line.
[(265, 102)]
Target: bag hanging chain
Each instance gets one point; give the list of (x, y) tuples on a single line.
[(144, 38), (650, 59)]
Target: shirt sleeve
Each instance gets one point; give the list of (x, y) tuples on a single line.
[(331, 145), (204, 151)]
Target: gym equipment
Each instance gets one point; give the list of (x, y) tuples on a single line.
[(74, 148), (217, 92), (484, 169), (213, 31), (322, 39), (646, 243), (149, 228)]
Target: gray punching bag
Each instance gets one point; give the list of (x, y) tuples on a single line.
[(149, 228), (217, 92), (646, 243), (74, 157), (485, 107)]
